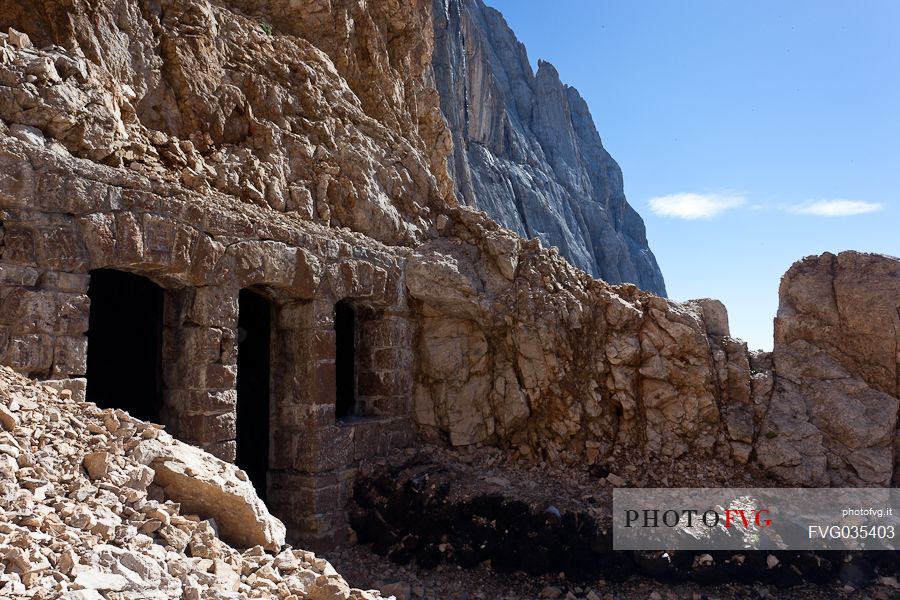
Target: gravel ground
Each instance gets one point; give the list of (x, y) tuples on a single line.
[(483, 470), (365, 570)]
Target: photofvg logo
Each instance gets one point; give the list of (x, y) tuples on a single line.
[(754, 518), (711, 518)]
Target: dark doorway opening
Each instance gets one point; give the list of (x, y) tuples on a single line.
[(253, 362), (125, 343), (345, 360)]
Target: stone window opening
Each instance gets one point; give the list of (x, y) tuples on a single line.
[(124, 353), (254, 338), (345, 361)]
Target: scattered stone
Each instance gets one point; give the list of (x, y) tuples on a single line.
[(97, 464), (7, 419), (98, 580), (400, 590), (18, 39), (615, 481), (551, 592)]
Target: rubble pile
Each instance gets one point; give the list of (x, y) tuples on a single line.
[(94, 504)]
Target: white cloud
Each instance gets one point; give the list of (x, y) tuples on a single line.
[(694, 206), (835, 208)]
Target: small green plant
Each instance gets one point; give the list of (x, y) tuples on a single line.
[(771, 434), (266, 27)]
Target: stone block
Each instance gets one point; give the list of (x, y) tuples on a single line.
[(134, 200), (384, 358), (202, 344), (19, 245), (17, 181), (370, 438), (65, 282), (227, 450), (73, 313), (15, 275), (219, 376), (229, 224), (214, 306), (333, 448), (200, 401), (69, 356), (322, 450), (129, 248), (166, 243), (340, 279), (185, 373), (377, 383), (325, 391), (324, 344), (61, 249), (307, 275), (99, 233), (293, 417), (386, 332), (46, 311), (31, 354), (205, 428), (363, 283), (206, 256)]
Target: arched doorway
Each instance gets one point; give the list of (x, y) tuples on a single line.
[(125, 343)]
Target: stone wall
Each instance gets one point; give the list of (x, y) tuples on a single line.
[(58, 225)]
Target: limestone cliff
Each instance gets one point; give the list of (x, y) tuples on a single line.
[(527, 152), (326, 111)]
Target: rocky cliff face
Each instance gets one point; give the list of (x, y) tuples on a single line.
[(833, 413), (564, 368), (262, 101), (527, 152)]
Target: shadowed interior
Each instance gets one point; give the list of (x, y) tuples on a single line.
[(124, 343), (345, 359), (254, 364)]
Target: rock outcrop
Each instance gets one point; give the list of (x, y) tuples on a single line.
[(83, 516), (217, 98), (832, 419), (561, 366), (526, 149), (565, 368)]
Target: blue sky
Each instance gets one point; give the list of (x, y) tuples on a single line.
[(750, 134)]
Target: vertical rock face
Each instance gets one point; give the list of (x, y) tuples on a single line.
[(526, 150), (833, 414)]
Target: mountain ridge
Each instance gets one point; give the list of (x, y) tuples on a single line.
[(527, 151)]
